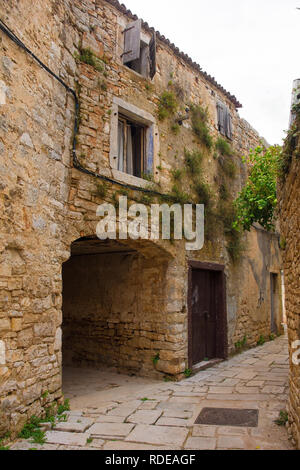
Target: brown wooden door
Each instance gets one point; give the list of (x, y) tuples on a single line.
[(204, 315)]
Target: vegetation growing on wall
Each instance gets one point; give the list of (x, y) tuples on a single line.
[(290, 148), (87, 56), (258, 199), (199, 117), (167, 106)]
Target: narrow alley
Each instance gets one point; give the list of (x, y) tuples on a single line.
[(116, 412)]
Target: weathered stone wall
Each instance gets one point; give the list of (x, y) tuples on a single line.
[(46, 204), (289, 203)]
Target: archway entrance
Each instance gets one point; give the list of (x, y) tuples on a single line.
[(113, 312)]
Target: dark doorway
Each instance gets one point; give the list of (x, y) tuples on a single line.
[(207, 313), (274, 302)]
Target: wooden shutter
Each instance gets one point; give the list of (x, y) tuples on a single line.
[(132, 41), (228, 127), (152, 55), (149, 161), (221, 118)]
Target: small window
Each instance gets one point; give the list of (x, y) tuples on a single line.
[(131, 147), (138, 55), (224, 120)]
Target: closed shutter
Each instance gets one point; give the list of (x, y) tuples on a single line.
[(132, 41), (152, 55), (224, 120)]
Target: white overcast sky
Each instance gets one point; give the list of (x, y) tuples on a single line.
[(251, 47)]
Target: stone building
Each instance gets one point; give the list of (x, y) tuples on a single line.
[(148, 119), (289, 201)]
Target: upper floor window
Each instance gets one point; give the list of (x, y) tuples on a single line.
[(134, 141), (224, 120), (139, 55), (131, 147)]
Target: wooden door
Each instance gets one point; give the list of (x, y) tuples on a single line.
[(204, 315)]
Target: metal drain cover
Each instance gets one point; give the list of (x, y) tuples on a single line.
[(228, 417)]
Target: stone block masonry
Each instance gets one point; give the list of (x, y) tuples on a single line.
[(289, 201)]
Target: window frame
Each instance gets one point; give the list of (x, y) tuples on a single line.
[(144, 119), (126, 122), (146, 62)]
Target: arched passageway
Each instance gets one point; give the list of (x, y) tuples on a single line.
[(113, 309)]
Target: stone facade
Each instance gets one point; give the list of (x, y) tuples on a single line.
[(47, 205), (289, 200)]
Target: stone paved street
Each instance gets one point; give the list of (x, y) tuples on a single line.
[(143, 414)]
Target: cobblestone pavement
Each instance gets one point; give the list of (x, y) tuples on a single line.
[(155, 415)]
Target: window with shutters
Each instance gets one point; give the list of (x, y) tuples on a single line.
[(224, 120), (134, 141), (139, 55)]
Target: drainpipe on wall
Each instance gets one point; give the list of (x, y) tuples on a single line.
[(295, 99)]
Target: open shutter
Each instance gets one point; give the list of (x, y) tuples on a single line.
[(152, 55), (221, 118), (132, 41), (150, 152), (228, 125)]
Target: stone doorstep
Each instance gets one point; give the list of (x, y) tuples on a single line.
[(204, 365)]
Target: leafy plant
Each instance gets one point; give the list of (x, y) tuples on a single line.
[(239, 345), (167, 105), (193, 161), (88, 57), (283, 418), (155, 359), (258, 200), (188, 373), (289, 148), (63, 407), (32, 431), (223, 147), (261, 341), (148, 177), (176, 174), (178, 196), (204, 194), (199, 118)]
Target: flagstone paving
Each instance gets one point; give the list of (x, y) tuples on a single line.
[(136, 414)]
